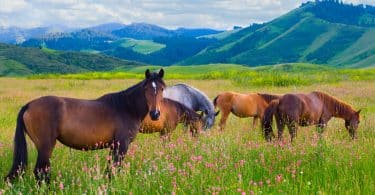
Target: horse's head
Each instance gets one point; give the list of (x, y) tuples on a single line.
[(209, 119), (154, 86), (352, 123)]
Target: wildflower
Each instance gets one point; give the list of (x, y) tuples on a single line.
[(171, 167), (61, 186), (209, 165), (279, 178)]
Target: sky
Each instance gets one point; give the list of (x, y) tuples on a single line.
[(217, 14)]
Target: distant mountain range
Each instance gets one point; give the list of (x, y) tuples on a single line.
[(322, 32)]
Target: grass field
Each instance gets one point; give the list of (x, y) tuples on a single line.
[(231, 162), (140, 46), (277, 75)]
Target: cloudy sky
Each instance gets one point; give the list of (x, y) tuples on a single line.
[(218, 14)]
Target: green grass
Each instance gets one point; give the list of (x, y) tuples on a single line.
[(230, 162), (296, 74), (140, 46)]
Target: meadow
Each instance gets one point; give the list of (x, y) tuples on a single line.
[(235, 161)]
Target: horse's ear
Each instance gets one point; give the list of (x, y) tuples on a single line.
[(217, 113), (161, 73), (147, 73), (359, 111)]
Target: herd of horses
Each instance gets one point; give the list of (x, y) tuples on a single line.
[(113, 120)]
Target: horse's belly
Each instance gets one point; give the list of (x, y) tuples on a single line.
[(86, 137), (242, 111)]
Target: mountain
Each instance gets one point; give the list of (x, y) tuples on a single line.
[(323, 32), (138, 41), (15, 35), (146, 31), (75, 41), (107, 28), (172, 50), (196, 32), (15, 60), (142, 31)]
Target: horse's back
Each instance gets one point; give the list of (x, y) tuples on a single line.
[(189, 96), (307, 108), (74, 122)]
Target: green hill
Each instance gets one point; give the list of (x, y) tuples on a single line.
[(306, 34), (140, 46), (16, 60)]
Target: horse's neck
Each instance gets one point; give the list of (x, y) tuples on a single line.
[(136, 103), (340, 110), (132, 101)]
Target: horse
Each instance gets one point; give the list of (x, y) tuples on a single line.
[(194, 99), (173, 113), (315, 108), (112, 120), (242, 105)]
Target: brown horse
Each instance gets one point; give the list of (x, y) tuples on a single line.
[(315, 108), (112, 120), (173, 113), (242, 105)]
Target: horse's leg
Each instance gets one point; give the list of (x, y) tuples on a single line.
[(320, 127), (42, 167), (223, 120), (122, 140), (255, 122), (280, 127), (292, 126)]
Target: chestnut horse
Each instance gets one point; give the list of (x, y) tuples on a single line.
[(173, 113), (242, 105), (112, 120), (315, 108)]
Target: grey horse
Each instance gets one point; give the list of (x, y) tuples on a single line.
[(193, 99)]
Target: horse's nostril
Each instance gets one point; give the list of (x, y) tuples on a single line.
[(155, 114)]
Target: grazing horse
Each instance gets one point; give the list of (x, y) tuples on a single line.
[(173, 113), (193, 99), (242, 105), (315, 108), (112, 120)]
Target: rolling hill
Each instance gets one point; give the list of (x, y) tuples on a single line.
[(138, 41), (316, 32), (15, 60)]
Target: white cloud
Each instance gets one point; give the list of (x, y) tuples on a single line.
[(220, 14)]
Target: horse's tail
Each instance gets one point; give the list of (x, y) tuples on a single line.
[(268, 118), (20, 147)]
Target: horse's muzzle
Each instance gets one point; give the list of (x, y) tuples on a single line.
[(155, 114)]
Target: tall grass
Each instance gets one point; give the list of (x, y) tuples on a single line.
[(235, 161)]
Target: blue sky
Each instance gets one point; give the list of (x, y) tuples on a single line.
[(218, 14)]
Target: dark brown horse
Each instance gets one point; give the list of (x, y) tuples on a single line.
[(242, 105), (173, 113), (315, 108), (112, 120)]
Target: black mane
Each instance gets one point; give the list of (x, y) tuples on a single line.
[(131, 100)]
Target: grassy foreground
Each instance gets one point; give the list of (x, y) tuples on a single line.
[(235, 161)]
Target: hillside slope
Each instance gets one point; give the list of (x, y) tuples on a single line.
[(16, 60), (306, 34)]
